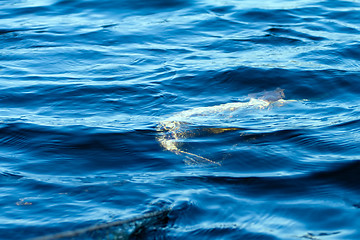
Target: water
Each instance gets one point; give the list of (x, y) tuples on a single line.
[(84, 85)]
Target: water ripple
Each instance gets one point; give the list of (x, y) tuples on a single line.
[(84, 86)]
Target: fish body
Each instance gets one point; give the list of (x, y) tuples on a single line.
[(176, 128)]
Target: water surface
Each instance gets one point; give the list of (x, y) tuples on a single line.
[(84, 85)]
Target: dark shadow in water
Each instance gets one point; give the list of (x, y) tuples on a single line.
[(139, 227)]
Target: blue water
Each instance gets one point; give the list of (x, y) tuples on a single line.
[(84, 84)]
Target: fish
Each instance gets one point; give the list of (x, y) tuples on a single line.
[(175, 129)]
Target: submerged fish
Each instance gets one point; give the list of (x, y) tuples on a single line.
[(175, 129)]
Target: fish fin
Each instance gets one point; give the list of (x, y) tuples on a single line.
[(191, 155)]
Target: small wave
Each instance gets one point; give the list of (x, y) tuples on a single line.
[(84, 85)]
